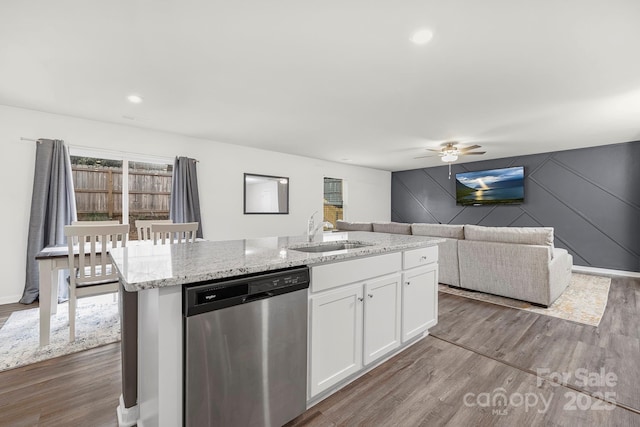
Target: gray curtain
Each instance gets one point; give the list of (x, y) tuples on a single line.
[(185, 200), (53, 206)]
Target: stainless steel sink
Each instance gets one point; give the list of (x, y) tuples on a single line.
[(330, 246)]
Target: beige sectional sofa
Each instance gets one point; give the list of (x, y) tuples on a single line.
[(515, 262), (448, 270)]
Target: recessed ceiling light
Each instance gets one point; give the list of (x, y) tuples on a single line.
[(135, 99), (423, 36)]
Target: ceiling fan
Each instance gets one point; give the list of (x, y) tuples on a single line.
[(450, 151)]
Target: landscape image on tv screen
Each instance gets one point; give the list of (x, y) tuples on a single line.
[(489, 187)]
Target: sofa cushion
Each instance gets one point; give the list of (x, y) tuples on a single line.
[(392, 227), (438, 230), (520, 235), (353, 226)]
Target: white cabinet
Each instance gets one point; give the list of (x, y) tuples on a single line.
[(352, 326), (365, 309), (381, 317), (419, 300), (336, 336)]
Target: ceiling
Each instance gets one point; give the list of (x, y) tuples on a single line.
[(336, 80)]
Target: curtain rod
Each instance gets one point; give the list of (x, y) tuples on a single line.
[(22, 138), (106, 151), (130, 153)]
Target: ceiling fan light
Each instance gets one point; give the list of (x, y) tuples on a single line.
[(449, 157)]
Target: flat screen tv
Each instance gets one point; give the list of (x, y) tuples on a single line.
[(490, 187)]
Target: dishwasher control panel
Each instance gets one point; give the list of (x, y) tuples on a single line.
[(208, 295), (221, 293), (280, 281)]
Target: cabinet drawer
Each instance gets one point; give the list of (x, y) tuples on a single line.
[(330, 276), (418, 257)]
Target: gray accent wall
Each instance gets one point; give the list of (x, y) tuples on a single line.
[(590, 196)]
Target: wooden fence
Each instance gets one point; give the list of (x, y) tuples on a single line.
[(333, 214), (99, 193)]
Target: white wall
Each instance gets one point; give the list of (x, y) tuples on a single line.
[(220, 174)]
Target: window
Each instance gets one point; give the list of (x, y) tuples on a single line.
[(333, 200), (98, 186), (149, 192), (122, 190)]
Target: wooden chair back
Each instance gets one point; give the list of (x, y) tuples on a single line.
[(144, 227), (184, 232), (94, 242), (91, 272), (106, 222)]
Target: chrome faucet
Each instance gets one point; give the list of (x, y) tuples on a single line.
[(312, 229)]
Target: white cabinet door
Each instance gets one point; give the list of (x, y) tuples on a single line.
[(336, 337), (419, 300), (381, 317)]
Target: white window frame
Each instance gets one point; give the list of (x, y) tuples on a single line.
[(344, 195), (125, 157)]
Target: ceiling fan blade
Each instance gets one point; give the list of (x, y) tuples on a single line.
[(432, 149), (475, 152), (429, 155), (471, 147)]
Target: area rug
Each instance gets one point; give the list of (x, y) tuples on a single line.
[(97, 323), (583, 301)]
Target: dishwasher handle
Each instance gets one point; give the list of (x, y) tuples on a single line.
[(258, 296)]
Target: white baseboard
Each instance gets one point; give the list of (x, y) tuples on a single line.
[(10, 299), (604, 271)]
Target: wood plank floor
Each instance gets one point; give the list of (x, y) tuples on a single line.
[(80, 389), (7, 309), (476, 348), (533, 342)]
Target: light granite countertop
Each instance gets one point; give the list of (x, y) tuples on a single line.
[(153, 266)]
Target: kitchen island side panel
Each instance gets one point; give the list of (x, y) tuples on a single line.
[(160, 357)]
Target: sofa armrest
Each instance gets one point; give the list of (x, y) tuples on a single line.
[(448, 270), (559, 273)]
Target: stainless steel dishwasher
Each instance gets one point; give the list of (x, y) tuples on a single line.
[(245, 350)]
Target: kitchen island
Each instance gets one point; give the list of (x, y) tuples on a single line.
[(401, 269)]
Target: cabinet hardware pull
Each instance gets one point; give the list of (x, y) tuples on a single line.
[(360, 299), (423, 257), (408, 283), (370, 296)]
